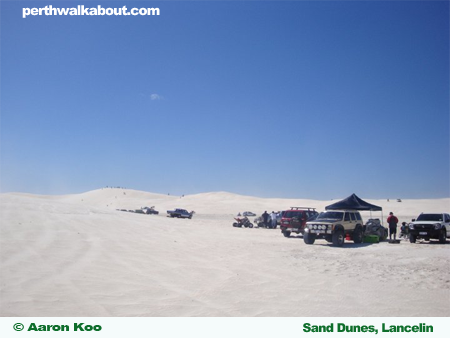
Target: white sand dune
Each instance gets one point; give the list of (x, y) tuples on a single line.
[(75, 255)]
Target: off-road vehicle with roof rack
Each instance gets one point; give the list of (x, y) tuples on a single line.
[(430, 226), (335, 226), (294, 220)]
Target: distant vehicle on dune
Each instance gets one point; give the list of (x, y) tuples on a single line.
[(248, 214), (150, 211), (143, 210), (180, 213)]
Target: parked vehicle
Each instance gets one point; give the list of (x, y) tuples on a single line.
[(150, 211), (180, 213), (248, 214), (335, 226), (242, 222), (140, 211), (430, 226), (294, 220)]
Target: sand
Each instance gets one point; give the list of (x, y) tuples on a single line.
[(75, 255)]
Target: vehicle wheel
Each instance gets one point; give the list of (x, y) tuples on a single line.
[(287, 233), (412, 238), (309, 238), (357, 236), (443, 236), (235, 224), (250, 225), (338, 238)]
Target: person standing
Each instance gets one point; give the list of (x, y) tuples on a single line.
[(273, 217), (392, 221), (265, 217)]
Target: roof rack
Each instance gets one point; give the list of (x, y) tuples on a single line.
[(303, 208)]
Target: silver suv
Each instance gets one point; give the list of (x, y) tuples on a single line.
[(334, 226)]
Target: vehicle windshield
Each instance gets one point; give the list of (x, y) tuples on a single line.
[(313, 216), (334, 215), (291, 214), (430, 217)]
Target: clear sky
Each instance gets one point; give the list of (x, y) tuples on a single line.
[(273, 99)]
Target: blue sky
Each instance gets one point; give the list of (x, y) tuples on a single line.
[(273, 99)]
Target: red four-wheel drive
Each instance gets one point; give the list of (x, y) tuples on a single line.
[(294, 220)]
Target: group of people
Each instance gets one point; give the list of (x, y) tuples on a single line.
[(393, 221), (270, 220)]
